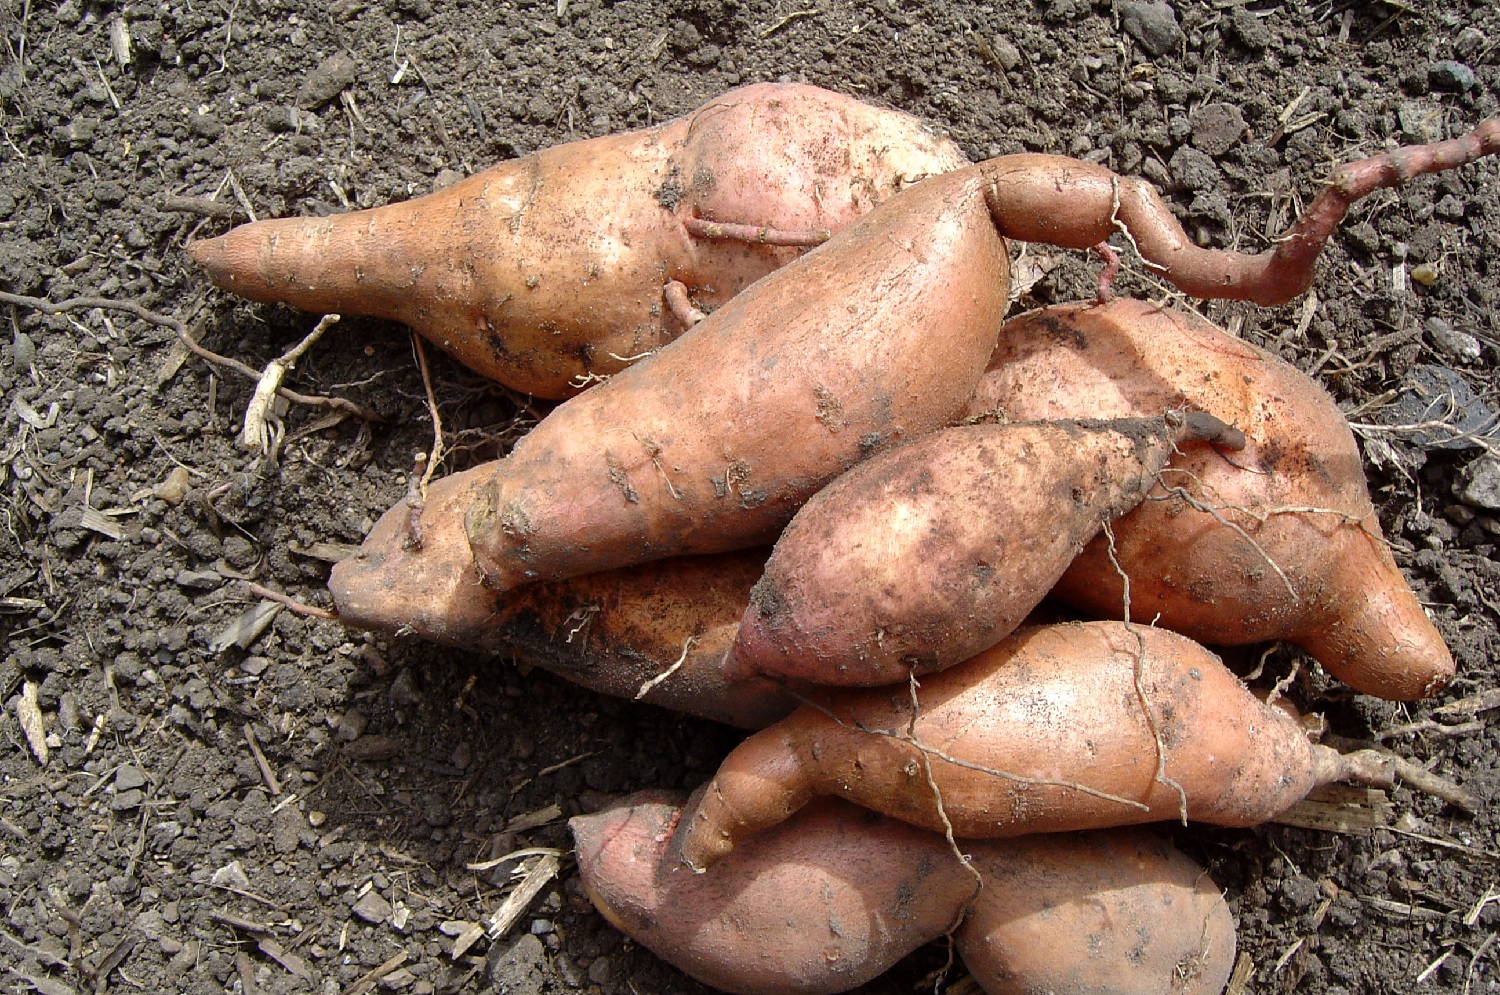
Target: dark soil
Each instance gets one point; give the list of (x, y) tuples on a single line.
[(149, 847)]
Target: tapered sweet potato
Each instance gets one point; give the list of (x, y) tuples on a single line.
[(664, 627), (1279, 541), (1057, 728), (713, 442), (548, 271), (935, 550), (836, 895)]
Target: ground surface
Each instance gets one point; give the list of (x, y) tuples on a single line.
[(388, 766)]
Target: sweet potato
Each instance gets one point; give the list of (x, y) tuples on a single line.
[(713, 442), (548, 271), (823, 904), (1114, 911), (1056, 728), (836, 895), (663, 627), (1279, 541), (936, 549)]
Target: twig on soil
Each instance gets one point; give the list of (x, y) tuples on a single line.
[(260, 761), (426, 464), (367, 982), (262, 431), (311, 611), (208, 356)]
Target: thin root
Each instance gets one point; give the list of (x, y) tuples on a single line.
[(311, 611), (649, 686), (1138, 677), (762, 235)]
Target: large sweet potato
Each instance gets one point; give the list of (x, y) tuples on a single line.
[(548, 271), (713, 442), (1278, 541), (836, 895), (662, 627), (1057, 728), (937, 549)]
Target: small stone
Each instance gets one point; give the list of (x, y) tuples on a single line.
[(372, 908), (403, 690), (173, 488), (129, 777), (1479, 483), (334, 75), (1420, 122), (22, 350), (1006, 52), (1250, 30), (1152, 24), (202, 580), (351, 725), (599, 971), (205, 126), (125, 800), (231, 875), (1451, 77), (1425, 274), (1217, 127), (1193, 170), (1447, 339), (1469, 41)]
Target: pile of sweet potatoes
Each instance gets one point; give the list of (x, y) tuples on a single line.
[(820, 488)]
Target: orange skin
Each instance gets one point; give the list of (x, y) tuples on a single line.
[(1339, 595), (716, 440), (835, 896), (614, 632), (935, 550), (1058, 710), (549, 271)]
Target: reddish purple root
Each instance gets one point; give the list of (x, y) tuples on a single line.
[(1107, 275), (681, 305)]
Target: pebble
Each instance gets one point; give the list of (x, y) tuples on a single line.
[(129, 777), (125, 800), (1479, 483), (1451, 77), (1250, 30), (1216, 127), (333, 75), (1153, 25), (1193, 170), (372, 908), (1469, 41), (1449, 340)]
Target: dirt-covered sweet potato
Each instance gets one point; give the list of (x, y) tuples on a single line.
[(714, 441), (936, 549), (1278, 541), (837, 894), (1057, 728), (662, 627), (549, 271)]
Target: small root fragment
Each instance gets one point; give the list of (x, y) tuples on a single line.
[(648, 686), (755, 235), (681, 305), (1107, 275), (310, 611)]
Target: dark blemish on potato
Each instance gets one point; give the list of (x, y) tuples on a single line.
[(621, 479), (669, 194)]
